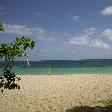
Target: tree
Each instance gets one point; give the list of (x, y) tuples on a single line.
[(9, 52), (1, 27)]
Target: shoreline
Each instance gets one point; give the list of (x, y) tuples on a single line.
[(72, 74), (57, 93)]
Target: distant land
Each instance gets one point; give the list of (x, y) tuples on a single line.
[(66, 63)]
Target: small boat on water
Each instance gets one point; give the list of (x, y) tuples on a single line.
[(28, 62)]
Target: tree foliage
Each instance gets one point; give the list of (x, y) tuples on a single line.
[(1, 27), (9, 52)]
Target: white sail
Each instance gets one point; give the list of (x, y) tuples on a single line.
[(28, 63)]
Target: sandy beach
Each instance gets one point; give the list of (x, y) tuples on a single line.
[(57, 93)]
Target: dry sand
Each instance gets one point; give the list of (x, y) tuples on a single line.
[(57, 93)]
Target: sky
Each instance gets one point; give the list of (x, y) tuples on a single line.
[(62, 29)]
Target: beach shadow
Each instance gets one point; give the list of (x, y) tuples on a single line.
[(90, 109)]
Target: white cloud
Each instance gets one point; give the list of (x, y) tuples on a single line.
[(87, 40), (37, 32), (90, 31), (75, 18), (107, 11), (99, 44), (83, 40), (40, 31), (24, 30), (107, 33)]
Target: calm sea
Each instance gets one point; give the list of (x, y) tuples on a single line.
[(59, 67)]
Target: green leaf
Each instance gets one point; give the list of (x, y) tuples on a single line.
[(9, 52), (1, 27)]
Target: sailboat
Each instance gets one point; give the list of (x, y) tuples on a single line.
[(28, 63)]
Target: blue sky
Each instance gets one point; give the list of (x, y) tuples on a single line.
[(62, 29)]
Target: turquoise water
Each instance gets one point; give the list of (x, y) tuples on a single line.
[(63, 67), (63, 71)]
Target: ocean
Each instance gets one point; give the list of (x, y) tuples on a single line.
[(62, 67)]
